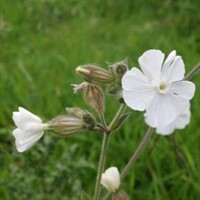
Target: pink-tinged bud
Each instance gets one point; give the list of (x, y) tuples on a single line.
[(120, 196), (94, 74), (93, 95)]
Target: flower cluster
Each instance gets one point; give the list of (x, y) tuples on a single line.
[(30, 127), (159, 89)]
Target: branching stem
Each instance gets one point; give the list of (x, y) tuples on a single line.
[(104, 148)]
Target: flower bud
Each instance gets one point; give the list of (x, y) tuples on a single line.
[(94, 74), (75, 112), (66, 125), (111, 179), (89, 121), (119, 68), (76, 121), (93, 95)]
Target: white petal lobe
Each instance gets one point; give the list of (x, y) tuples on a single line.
[(176, 70), (151, 63), (137, 92), (184, 89)]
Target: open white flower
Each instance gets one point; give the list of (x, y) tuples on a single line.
[(111, 179), (179, 123), (29, 129), (159, 88)]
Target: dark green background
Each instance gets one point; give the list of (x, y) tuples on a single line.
[(41, 43)]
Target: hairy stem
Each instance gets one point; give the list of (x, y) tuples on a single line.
[(134, 157), (137, 153), (105, 147), (101, 165), (194, 70)]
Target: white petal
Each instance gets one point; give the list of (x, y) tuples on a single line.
[(185, 89), (24, 140), (21, 147), (166, 130), (175, 71), (16, 118), (151, 62), (107, 182), (164, 109), (179, 123), (170, 58), (32, 131), (183, 119), (23, 117), (16, 133), (132, 77), (166, 65), (30, 115), (137, 92), (111, 179)]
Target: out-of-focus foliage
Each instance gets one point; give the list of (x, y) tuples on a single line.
[(41, 43)]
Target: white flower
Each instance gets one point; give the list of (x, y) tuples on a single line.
[(29, 129), (179, 123), (159, 88), (111, 179)]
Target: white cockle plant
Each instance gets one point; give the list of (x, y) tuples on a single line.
[(160, 90)]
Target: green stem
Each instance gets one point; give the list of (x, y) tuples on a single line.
[(137, 153), (134, 157), (101, 165), (105, 147), (103, 121), (194, 70), (117, 116)]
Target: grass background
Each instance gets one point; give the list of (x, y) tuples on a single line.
[(41, 43)]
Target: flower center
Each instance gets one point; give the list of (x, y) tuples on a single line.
[(162, 86)]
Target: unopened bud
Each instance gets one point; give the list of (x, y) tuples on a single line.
[(119, 68), (76, 121), (66, 125), (93, 95), (94, 74), (110, 179), (120, 196), (89, 121), (74, 111)]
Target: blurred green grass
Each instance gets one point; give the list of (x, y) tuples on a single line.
[(41, 43)]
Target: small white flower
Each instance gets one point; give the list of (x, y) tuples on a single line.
[(111, 179), (159, 88), (29, 129), (179, 123)]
